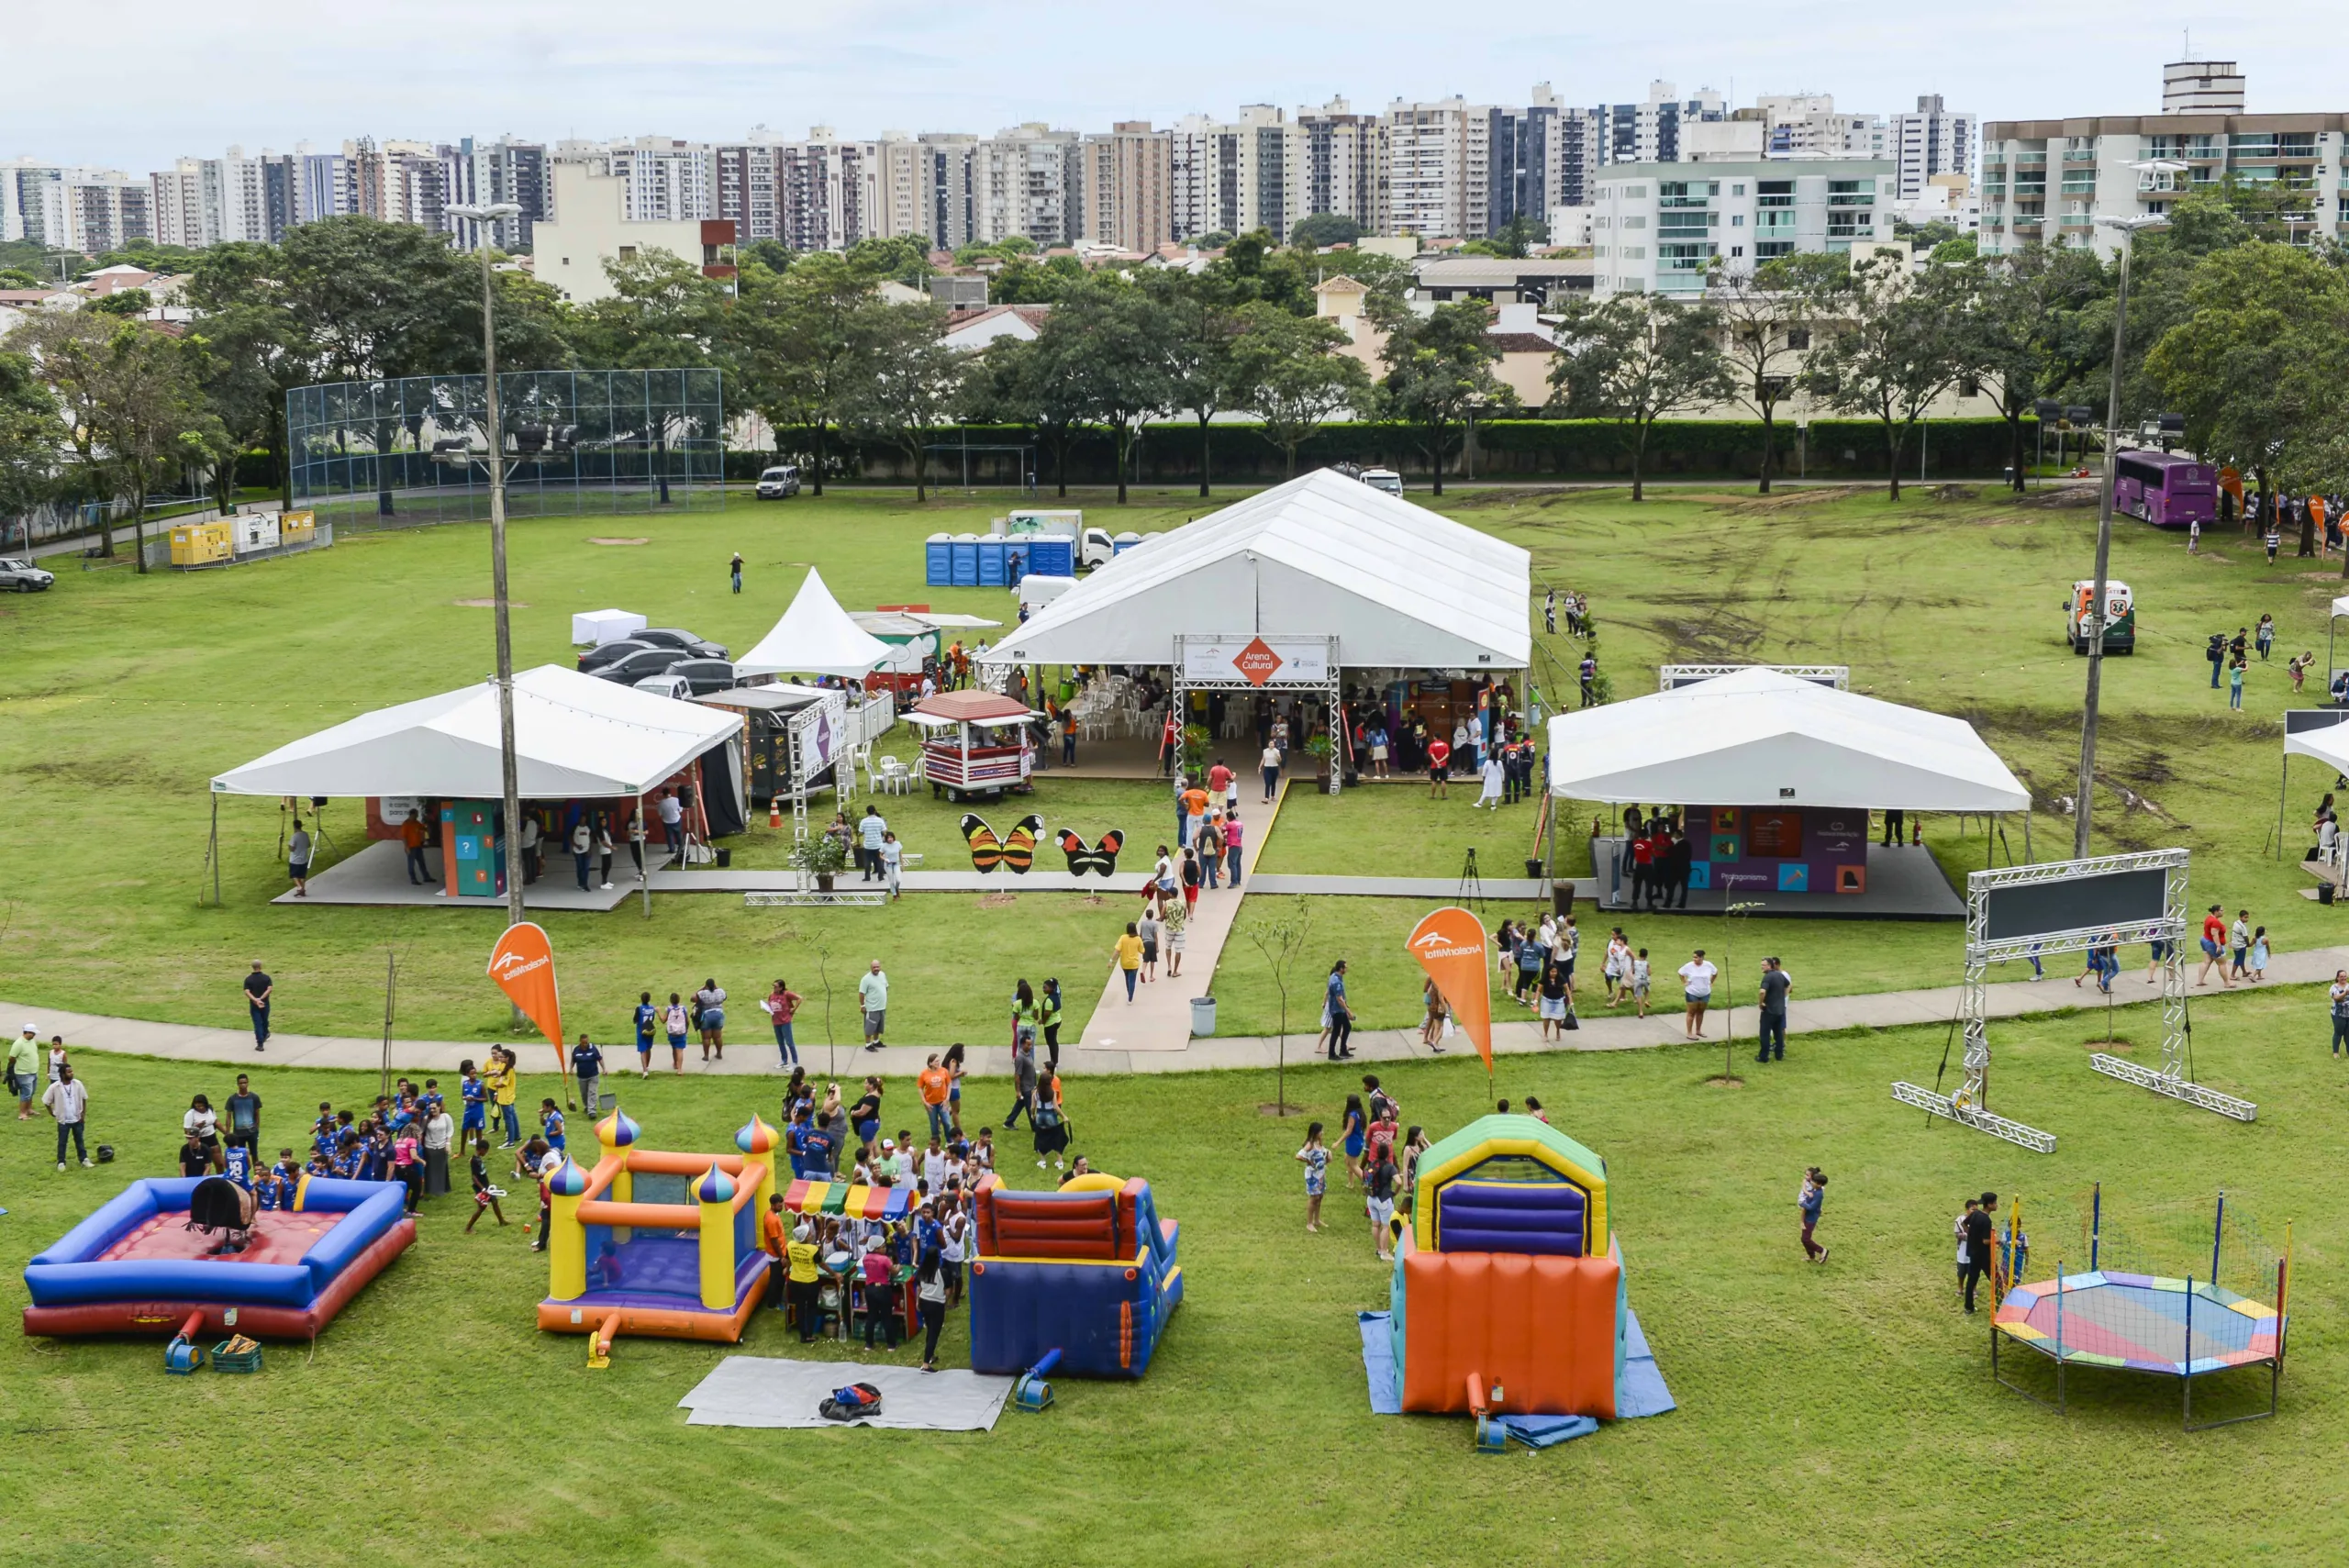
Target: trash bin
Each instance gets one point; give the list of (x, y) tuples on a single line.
[(2010, 476), (1202, 1017)]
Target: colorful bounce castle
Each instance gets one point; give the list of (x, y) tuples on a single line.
[(657, 1243), (158, 1257), (1088, 1270), (1509, 1300)]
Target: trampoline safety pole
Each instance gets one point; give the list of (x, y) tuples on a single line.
[(2218, 1233), (2096, 1222)]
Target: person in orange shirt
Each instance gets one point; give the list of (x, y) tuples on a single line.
[(775, 1240), (935, 1082), (1195, 810), (412, 836)]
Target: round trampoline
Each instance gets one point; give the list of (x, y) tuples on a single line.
[(2173, 1327)]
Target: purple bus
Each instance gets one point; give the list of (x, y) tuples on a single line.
[(2164, 490)]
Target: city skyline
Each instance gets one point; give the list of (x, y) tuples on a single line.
[(588, 70)]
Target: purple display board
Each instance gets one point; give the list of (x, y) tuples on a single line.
[(1769, 848)]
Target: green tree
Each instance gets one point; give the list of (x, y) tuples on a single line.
[(912, 384), (1766, 320), (1896, 340), (136, 410), (2021, 338), (31, 435), (1325, 229), (1202, 322), (798, 341), (2256, 368), (1636, 358), (1254, 266), (254, 348), (1286, 371), (902, 258), (1036, 384), (123, 301), (1439, 370), (1512, 239), (662, 314), (1117, 343)]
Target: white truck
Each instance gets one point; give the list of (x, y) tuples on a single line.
[(1089, 547)]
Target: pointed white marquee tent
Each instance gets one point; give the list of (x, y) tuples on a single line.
[(814, 636)]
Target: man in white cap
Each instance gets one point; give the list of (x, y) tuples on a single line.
[(24, 1070)]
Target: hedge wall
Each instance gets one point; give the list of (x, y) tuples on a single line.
[(1512, 448)]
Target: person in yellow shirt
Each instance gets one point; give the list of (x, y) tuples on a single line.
[(1130, 957), (805, 1280), (504, 1081)]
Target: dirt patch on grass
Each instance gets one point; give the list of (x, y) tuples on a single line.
[(998, 900), (600, 540), (490, 604)]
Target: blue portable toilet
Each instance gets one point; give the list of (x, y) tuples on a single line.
[(938, 560), (966, 560), (1049, 558), (1126, 542), (992, 555)]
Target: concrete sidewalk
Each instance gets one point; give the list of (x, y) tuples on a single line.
[(754, 1055)]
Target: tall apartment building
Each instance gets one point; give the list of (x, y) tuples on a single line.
[(1523, 168), (28, 210), (1649, 131), (1123, 187), (1439, 168), (1344, 168), (948, 192), (1658, 228), (667, 181), (1581, 143), (1932, 140), (829, 192), (2049, 181), (1808, 124), (1026, 180)]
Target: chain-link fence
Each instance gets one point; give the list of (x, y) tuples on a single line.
[(395, 453)]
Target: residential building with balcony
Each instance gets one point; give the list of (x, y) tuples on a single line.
[(1658, 228), (2048, 182), (589, 226)]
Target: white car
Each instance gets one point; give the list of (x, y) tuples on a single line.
[(1385, 479), (666, 686), (779, 482), (24, 577)]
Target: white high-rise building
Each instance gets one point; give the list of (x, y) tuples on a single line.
[(1438, 167), (1026, 182), (1934, 140), (1344, 164), (667, 180)]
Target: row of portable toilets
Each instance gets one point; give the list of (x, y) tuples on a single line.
[(985, 561)]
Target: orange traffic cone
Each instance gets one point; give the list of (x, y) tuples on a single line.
[(774, 812)]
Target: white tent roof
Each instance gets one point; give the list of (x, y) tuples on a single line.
[(814, 636), (1398, 585), (574, 737), (2340, 609), (2328, 745), (1759, 737)]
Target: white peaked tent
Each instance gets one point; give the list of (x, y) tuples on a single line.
[(1759, 737), (1397, 585), (575, 738), (814, 636)]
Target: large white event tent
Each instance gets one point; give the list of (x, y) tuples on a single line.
[(1398, 586), (814, 636), (575, 738), (1761, 737)]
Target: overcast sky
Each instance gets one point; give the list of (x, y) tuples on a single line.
[(149, 80)]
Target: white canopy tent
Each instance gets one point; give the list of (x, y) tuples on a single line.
[(1398, 586), (575, 738), (1760, 736), (814, 636)]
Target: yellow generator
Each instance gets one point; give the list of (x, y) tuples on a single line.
[(202, 544), (297, 527)]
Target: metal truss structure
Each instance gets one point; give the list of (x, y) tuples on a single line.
[(1327, 689), (1670, 677), (1969, 1106)]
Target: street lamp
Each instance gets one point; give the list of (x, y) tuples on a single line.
[(484, 214), (2127, 229)]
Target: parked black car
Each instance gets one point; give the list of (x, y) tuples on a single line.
[(676, 637), (598, 657), (633, 667)]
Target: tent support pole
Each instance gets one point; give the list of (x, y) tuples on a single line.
[(1990, 844), (644, 869), (212, 848), (2283, 791)]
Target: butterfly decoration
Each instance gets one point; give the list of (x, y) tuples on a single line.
[(1016, 851), (1102, 857)]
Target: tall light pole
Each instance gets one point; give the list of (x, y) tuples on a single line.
[(483, 215), (2127, 229)]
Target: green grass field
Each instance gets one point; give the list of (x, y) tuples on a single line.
[(1841, 1416)]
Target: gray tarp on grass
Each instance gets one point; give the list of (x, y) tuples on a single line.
[(759, 1391)]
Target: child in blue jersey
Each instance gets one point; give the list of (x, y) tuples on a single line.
[(430, 1102), (237, 1164), (476, 1097), (268, 1191), (550, 1124), (350, 1158), (648, 1020)]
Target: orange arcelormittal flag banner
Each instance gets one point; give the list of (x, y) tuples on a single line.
[(523, 965), (1450, 945)]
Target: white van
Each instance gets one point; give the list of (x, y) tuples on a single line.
[(779, 482), (1385, 479)]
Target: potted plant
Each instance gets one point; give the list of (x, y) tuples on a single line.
[(821, 856), (1317, 748)]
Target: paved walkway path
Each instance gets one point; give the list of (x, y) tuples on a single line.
[(1601, 1031), (1157, 1022)]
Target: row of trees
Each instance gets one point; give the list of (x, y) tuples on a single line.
[(2230, 324)]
